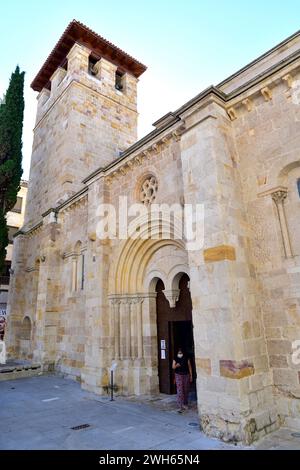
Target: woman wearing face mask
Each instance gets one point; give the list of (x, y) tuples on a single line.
[(183, 376)]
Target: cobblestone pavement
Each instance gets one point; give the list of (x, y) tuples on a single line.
[(42, 412)]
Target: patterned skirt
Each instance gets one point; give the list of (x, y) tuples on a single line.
[(182, 386)]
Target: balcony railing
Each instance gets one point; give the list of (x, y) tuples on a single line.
[(4, 280)]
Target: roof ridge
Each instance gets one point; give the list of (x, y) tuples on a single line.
[(258, 59), (76, 31), (106, 40)]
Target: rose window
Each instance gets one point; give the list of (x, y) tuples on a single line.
[(149, 190)]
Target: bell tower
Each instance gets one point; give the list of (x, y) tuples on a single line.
[(86, 115)]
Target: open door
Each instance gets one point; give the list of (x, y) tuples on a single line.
[(174, 329)]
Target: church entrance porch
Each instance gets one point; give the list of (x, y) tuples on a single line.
[(131, 340)]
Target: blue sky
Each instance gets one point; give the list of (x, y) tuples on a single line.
[(187, 45)]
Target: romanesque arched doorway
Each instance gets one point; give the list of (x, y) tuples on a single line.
[(174, 330), (132, 325)]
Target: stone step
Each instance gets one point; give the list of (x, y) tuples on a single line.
[(12, 372)]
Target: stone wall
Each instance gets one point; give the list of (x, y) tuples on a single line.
[(268, 148), (72, 246)]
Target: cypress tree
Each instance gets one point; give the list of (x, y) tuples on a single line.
[(11, 126)]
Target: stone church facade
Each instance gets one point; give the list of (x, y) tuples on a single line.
[(78, 303)]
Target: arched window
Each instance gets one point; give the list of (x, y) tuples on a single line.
[(78, 268), (298, 186), (82, 272)]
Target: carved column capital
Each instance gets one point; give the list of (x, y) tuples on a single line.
[(139, 299), (172, 296), (279, 196), (115, 301)]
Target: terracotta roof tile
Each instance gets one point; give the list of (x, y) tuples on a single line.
[(101, 47)]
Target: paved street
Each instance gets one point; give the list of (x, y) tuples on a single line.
[(40, 412)]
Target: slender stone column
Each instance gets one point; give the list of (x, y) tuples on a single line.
[(139, 312), (116, 323), (133, 329), (149, 330), (122, 327), (127, 328), (279, 197), (127, 325), (112, 326), (74, 273)]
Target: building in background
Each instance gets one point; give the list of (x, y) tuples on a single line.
[(15, 219)]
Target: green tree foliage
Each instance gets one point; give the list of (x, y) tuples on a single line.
[(11, 126)]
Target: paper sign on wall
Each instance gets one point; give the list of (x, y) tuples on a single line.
[(162, 344), (163, 354)]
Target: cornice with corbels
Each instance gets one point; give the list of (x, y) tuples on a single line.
[(147, 153), (245, 101), (71, 204), (32, 232), (74, 204)]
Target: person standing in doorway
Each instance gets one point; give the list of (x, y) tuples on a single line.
[(183, 377)]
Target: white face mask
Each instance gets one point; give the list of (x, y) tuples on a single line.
[(180, 355)]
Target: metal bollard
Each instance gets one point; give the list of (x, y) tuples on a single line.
[(111, 385)]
